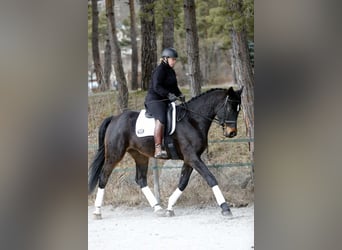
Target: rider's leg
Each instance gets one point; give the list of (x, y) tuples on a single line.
[(158, 138)]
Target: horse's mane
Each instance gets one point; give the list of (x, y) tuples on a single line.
[(204, 93)]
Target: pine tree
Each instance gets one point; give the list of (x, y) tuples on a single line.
[(122, 99), (192, 47), (148, 42), (95, 42)]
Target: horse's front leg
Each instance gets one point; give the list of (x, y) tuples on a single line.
[(183, 182), (203, 170)]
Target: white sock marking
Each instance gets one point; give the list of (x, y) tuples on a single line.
[(173, 198), (99, 197), (218, 195), (149, 196)]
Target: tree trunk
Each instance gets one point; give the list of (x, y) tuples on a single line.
[(107, 68), (244, 76), (117, 61), (206, 66), (192, 47), (168, 25), (233, 63), (244, 73), (95, 42), (148, 42), (135, 60)]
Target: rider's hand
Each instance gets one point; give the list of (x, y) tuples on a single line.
[(172, 97)]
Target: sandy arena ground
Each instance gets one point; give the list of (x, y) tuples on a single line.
[(192, 228)]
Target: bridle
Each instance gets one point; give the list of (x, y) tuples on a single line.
[(224, 120), (218, 121)]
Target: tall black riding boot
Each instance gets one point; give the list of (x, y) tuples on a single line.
[(158, 138)]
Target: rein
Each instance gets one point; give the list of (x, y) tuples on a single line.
[(215, 120)]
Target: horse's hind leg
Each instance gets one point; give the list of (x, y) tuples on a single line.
[(141, 163), (103, 179), (108, 167)]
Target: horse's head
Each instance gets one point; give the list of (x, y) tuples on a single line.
[(228, 113)]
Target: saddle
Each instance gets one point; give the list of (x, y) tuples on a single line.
[(145, 127), (145, 122)]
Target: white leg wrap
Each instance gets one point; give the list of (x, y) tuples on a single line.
[(218, 195), (99, 197), (97, 210), (149, 196), (173, 198), (99, 200)]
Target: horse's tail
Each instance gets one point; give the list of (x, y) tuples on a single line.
[(97, 164)]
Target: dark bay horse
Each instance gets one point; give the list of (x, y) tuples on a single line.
[(117, 136)]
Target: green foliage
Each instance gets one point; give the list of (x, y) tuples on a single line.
[(241, 15), (224, 15), (103, 27), (161, 10), (214, 19), (146, 15), (125, 29), (248, 11), (218, 26)]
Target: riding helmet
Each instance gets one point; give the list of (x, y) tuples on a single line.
[(169, 52)]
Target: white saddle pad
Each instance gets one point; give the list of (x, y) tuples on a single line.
[(145, 126)]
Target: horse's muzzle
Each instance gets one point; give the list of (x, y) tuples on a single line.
[(230, 132)]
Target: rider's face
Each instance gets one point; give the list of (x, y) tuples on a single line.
[(171, 61)]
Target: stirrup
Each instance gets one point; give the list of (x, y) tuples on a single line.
[(161, 154)]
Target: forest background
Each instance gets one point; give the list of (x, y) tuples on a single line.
[(214, 22), (214, 39), (215, 44)]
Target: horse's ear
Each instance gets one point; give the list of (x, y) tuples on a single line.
[(231, 91)]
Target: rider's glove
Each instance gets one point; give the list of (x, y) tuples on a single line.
[(172, 97)]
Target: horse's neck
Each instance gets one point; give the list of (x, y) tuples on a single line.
[(207, 105), (203, 110)]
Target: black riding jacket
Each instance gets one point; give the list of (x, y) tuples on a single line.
[(163, 82)]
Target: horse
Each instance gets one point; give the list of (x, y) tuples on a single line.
[(116, 136)]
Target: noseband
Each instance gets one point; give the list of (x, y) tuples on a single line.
[(224, 120)]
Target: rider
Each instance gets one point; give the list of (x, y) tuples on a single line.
[(163, 90)]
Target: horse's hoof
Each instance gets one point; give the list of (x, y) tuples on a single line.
[(225, 209), (160, 212), (226, 213), (97, 216), (170, 213)]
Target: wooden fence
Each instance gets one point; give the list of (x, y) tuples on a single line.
[(155, 167)]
